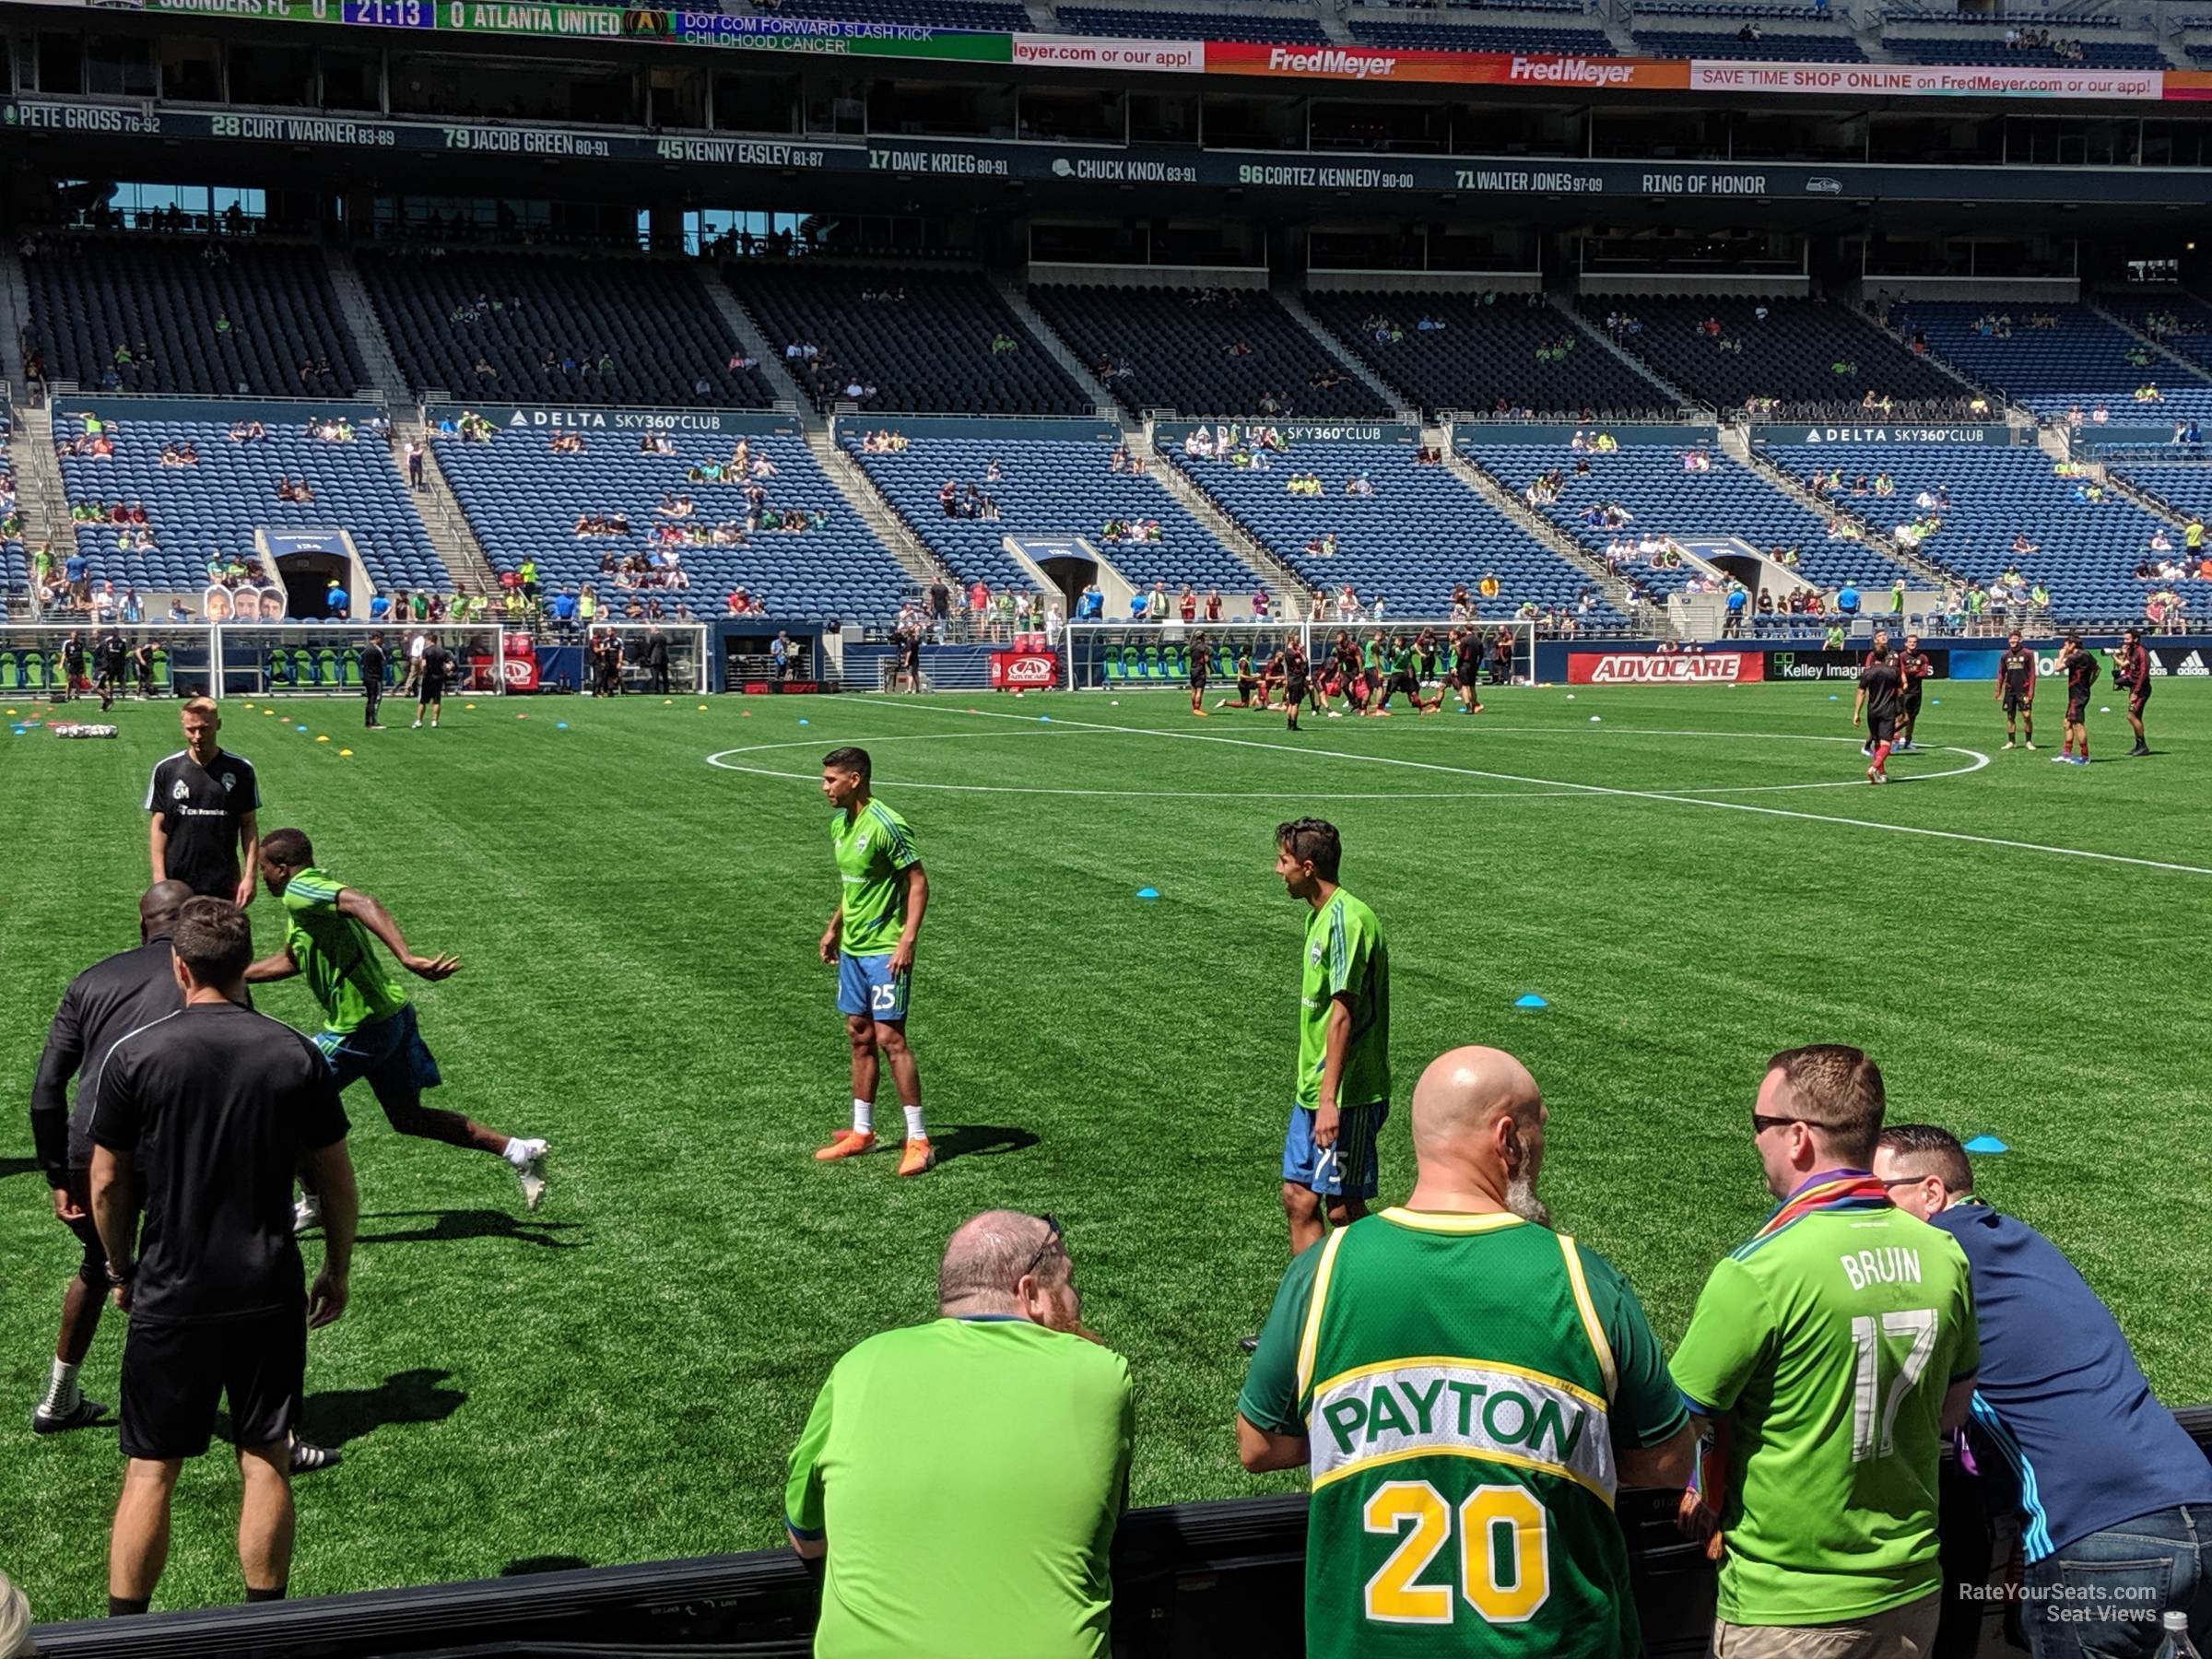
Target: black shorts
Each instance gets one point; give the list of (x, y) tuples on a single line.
[(1294, 691), (2077, 710), (1470, 676), (1248, 688), (2016, 703), (175, 1375), (1912, 705), (210, 884), (432, 689), (1403, 684), (2137, 695), (1199, 682), (1881, 728)]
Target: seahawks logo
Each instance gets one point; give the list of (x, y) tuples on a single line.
[(229, 782), (861, 845)]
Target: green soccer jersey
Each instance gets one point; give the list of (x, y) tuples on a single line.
[(969, 1476), (339, 957), (1345, 956), (1465, 1383), (874, 849), (1827, 1345)]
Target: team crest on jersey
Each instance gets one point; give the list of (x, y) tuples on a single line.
[(861, 845), (1315, 955), (179, 791), (229, 782)]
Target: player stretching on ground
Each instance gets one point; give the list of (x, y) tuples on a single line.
[(1272, 675), (1202, 667), (1296, 686), (871, 940), (2081, 668), (369, 1024), (1405, 677), (1912, 666), (2131, 673), (1879, 691), (1251, 691), (1343, 1094), (2015, 688)]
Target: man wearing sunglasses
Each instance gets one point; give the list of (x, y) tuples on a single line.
[(2110, 1490), (992, 1533), (1828, 1357)]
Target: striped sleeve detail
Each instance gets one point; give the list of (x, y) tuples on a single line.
[(900, 844), (1309, 1340), (305, 892), (1594, 1327)]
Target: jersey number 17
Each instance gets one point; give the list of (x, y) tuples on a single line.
[(1868, 1404)]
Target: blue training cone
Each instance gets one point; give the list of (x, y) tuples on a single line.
[(1044, 719), (803, 722), (1531, 1001), (1833, 697), (1148, 892), (1986, 1143), (298, 728), (561, 725)]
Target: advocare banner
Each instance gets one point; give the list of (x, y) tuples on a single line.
[(1664, 668), (1024, 670)]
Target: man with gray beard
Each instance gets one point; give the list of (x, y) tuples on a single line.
[(1455, 1373)]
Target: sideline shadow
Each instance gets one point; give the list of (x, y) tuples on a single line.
[(17, 1166), (979, 1140), (527, 1565), (337, 1416), (447, 1227)]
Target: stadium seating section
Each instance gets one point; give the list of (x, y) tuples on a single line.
[(444, 312), (1485, 36), (524, 500), (218, 316), (929, 350), (1180, 346), (2081, 359), (1651, 483), (994, 15), (1977, 49), (212, 509), (2191, 337), (1049, 487), (1421, 533), (14, 560), (2184, 488), (1223, 25), (1502, 348), (1791, 353), (2086, 551), (1810, 47)]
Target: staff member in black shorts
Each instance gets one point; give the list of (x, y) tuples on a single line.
[(72, 665), (106, 1001), (1467, 661), (114, 669), (200, 1119), (205, 804), (1201, 668), (142, 659), (1880, 689), (1295, 683), (435, 662), (373, 661)]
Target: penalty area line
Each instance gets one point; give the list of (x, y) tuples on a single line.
[(1662, 796)]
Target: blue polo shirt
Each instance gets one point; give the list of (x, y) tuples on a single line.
[(2059, 1398)]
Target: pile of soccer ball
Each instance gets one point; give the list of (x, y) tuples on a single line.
[(83, 731)]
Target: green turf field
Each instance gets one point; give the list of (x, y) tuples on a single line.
[(1692, 882)]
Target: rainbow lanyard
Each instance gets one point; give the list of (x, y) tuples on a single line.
[(1843, 1189)]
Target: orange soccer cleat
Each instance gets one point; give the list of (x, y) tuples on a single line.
[(919, 1156), (848, 1142)]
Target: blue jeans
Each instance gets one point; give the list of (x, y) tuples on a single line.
[(2102, 1597)]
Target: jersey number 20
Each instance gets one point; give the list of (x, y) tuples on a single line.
[(1504, 1571)]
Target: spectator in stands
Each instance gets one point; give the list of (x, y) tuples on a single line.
[(997, 1528), (1186, 606), (2112, 1490), (335, 600), (1827, 1541), (1090, 604), (1156, 602), (1529, 1310)]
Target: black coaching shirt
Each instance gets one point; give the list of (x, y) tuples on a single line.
[(200, 808), (1880, 681), (107, 1000), (437, 662), (214, 1104), (371, 660)]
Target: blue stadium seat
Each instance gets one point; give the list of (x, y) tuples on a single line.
[(2079, 358)]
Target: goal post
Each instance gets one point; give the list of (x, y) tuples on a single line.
[(323, 659), (33, 658), (1138, 656), (690, 668)]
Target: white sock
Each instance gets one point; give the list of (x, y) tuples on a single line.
[(60, 1393), (914, 1123), (863, 1116), (517, 1152)]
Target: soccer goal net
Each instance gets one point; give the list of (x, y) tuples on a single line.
[(657, 657), (1100, 656), (56, 661), (323, 659)]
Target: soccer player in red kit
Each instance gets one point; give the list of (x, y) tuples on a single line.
[(2081, 669), (1880, 690), (2131, 673), (1914, 665)]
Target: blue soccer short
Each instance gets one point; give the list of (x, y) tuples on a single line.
[(1347, 1169), (865, 984), (388, 1053)]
